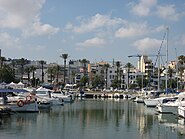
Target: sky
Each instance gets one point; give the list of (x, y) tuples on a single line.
[(96, 30)]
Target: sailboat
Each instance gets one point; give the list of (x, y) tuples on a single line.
[(153, 102), (170, 107)]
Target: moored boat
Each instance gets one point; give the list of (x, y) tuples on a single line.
[(139, 99), (181, 111), (23, 105), (153, 102), (171, 107), (45, 95), (63, 96)]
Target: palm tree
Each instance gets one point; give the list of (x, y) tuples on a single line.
[(106, 72), (32, 69), (42, 62), (70, 76), (6, 73), (2, 59), (170, 73), (28, 70), (84, 62), (22, 62), (13, 64), (50, 71), (56, 70), (181, 70), (181, 67), (64, 56), (128, 66), (117, 71)]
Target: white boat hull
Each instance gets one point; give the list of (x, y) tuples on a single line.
[(167, 109), (181, 111), (139, 100), (64, 98), (31, 107), (154, 102), (151, 103)]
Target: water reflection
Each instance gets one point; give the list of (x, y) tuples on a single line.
[(172, 123), (86, 119)]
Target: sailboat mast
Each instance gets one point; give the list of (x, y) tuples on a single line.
[(166, 82), (158, 85), (177, 68)]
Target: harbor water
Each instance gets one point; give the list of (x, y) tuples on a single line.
[(93, 119)]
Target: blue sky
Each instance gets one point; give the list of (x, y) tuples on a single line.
[(92, 29)]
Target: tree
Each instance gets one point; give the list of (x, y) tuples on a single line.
[(42, 62), (98, 81), (106, 66), (33, 69), (64, 56), (114, 83), (22, 62), (27, 71), (6, 74), (56, 70), (170, 73), (140, 82), (70, 72), (50, 71), (118, 73), (2, 59), (84, 80), (13, 64), (84, 62), (181, 67), (181, 70), (128, 66)]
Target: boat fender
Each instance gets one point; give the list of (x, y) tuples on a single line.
[(28, 98), (20, 103)]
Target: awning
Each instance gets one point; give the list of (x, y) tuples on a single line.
[(12, 90)]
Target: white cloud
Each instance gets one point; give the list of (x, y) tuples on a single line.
[(160, 28), (17, 14), (143, 7), (132, 29), (39, 48), (95, 22), (40, 29), (168, 12), (9, 42), (147, 44), (92, 42), (147, 7), (24, 15)]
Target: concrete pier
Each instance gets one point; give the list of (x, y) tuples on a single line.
[(104, 95)]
